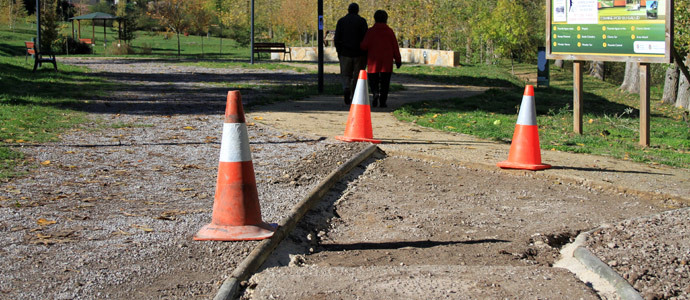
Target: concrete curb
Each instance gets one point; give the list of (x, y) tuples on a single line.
[(623, 289), (256, 258)]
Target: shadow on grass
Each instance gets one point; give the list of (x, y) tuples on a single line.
[(11, 50), (21, 86), (548, 101), (465, 80)]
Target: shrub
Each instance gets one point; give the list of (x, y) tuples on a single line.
[(120, 49), (68, 45)]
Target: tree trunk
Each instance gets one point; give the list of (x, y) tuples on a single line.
[(631, 82), (683, 99), (597, 70), (178, 45), (671, 85), (481, 51), (558, 63), (468, 49)]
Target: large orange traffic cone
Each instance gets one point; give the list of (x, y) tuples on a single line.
[(358, 128), (236, 212), (524, 149)]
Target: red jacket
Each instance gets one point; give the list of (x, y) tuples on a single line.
[(382, 48)]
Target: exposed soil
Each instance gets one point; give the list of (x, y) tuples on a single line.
[(405, 227), (109, 211)]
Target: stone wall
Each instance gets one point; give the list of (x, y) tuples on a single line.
[(409, 55)]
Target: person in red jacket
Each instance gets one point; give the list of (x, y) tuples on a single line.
[(382, 49)]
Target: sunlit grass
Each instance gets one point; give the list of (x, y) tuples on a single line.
[(611, 121)]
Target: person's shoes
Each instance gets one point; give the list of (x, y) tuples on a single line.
[(346, 97), (382, 101), (375, 101)]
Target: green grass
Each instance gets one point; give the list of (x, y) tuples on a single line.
[(611, 120), (159, 44), (476, 75), (36, 107)]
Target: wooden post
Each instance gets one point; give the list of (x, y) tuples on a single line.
[(644, 103), (79, 29), (577, 97), (320, 47)]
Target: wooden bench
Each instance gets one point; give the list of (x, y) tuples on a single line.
[(29, 50), (272, 48), (86, 41), (39, 57)]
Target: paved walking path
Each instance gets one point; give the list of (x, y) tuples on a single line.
[(325, 116)]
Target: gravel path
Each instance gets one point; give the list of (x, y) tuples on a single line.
[(108, 212)]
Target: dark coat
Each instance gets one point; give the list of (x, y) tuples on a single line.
[(349, 33)]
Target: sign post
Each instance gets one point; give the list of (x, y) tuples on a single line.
[(639, 31)]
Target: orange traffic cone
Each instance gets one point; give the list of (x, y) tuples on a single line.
[(524, 149), (236, 212), (358, 128)]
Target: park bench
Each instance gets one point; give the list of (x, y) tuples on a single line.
[(29, 50), (86, 41), (272, 48), (39, 57)]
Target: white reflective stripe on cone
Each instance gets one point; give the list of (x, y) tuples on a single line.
[(528, 112), (361, 95), (234, 146)]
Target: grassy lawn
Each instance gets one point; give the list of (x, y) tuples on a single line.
[(35, 107), (611, 119)]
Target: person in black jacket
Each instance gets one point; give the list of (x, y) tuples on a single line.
[(349, 33)]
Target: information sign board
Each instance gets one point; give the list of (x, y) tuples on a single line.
[(609, 30)]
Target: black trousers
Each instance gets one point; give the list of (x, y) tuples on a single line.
[(380, 84)]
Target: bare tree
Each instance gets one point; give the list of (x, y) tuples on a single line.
[(671, 85), (631, 82), (683, 98), (173, 15), (597, 70)]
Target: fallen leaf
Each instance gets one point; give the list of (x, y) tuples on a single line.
[(143, 227), (258, 118), (45, 162), (43, 236), (188, 128), (185, 189), (44, 222)]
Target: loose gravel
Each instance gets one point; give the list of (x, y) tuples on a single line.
[(652, 253)]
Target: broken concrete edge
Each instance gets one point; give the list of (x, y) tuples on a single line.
[(624, 290), (231, 286), (591, 262)]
